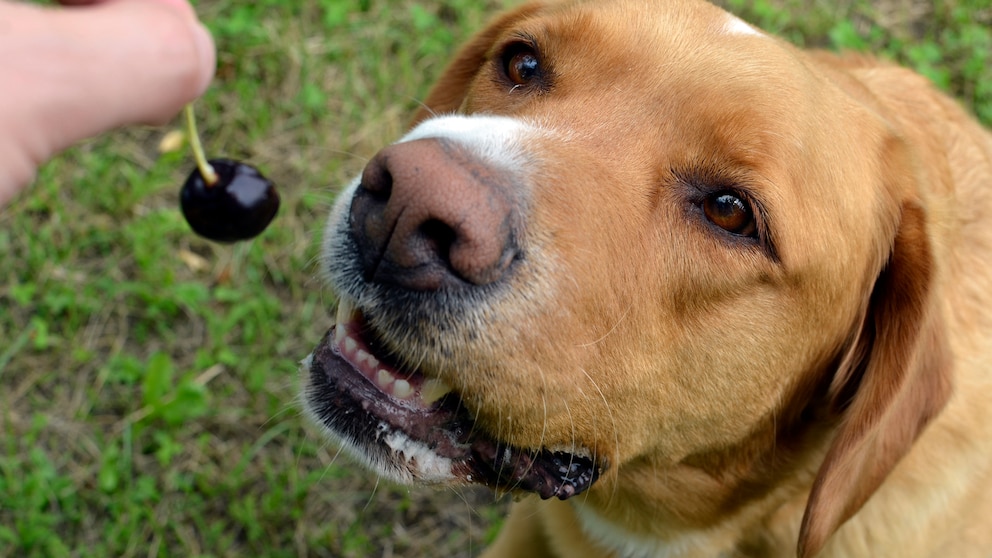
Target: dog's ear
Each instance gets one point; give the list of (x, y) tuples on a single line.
[(449, 92), (896, 378)]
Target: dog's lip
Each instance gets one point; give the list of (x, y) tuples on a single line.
[(371, 395), (342, 383), (407, 388)]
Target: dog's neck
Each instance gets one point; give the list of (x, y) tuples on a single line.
[(670, 525), (652, 508), (610, 535)]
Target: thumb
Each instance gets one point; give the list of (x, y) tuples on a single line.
[(82, 71)]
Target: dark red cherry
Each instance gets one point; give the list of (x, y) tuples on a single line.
[(237, 207)]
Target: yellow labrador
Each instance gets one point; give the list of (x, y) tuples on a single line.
[(685, 289)]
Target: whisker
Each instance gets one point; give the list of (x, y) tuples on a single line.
[(422, 105), (378, 479), (350, 154), (571, 422), (471, 511), (333, 461), (613, 423), (611, 330)]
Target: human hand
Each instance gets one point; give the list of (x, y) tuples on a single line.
[(68, 73)]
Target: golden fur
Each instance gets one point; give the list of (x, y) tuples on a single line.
[(833, 391)]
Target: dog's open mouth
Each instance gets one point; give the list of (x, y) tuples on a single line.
[(414, 428)]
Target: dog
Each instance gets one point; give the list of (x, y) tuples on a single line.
[(682, 288)]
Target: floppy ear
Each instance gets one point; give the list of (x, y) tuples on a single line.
[(895, 380), (449, 92)]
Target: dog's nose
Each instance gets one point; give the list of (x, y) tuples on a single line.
[(429, 215)]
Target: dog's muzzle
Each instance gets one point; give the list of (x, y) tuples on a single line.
[(431, 226)]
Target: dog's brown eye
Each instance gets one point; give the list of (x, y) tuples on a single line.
[(731, 213), (522, 66)]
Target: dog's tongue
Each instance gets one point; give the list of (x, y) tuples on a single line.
[(362, 409)]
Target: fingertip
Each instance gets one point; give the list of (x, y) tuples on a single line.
[(128, 62), (207, 53)]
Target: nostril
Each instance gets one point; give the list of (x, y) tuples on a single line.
[(377, 180), (428, 215), (440, 236)]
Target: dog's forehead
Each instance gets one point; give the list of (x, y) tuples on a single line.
[(635, 21), (680, 74), (651, 54)]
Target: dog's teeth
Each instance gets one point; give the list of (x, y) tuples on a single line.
[(384, 378), (346, 310), (362, 357), (432, 390), (402, 389), (350, 345), (344, 316)]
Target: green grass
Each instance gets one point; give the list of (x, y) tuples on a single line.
[(949, 41), (149, 377)]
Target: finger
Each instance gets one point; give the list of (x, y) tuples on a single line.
[(179, 4), (111, 64)]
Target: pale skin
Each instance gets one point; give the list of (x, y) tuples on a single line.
[(75, 71)]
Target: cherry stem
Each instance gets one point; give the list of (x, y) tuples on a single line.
[(206, 171)]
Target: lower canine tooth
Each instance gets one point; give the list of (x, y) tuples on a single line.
[(345, 310), (432, 390)]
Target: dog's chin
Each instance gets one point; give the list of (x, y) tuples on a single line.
[(411, 428)]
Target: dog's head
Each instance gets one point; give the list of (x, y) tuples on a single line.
[(640, 245)]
